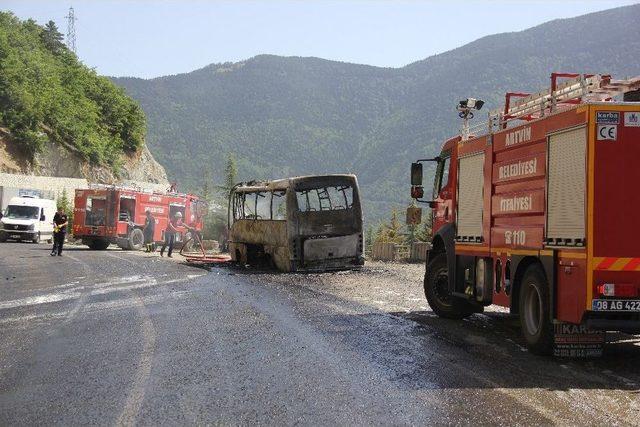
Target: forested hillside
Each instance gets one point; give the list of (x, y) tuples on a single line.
[(290, 116), (46, 94)]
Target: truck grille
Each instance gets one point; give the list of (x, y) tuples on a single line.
[(16, 227)]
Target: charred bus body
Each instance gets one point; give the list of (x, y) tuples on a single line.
[(310, 223)]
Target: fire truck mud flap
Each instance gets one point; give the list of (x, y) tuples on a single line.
[(577, 341)]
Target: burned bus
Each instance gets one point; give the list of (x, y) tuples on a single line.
[(309, 223)]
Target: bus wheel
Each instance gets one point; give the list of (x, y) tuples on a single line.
[(537, 329), (136, 239), (436, 289)]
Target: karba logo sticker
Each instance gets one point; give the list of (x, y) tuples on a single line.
[(608, 117)]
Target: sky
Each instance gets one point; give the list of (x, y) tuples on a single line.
[(153, 38)]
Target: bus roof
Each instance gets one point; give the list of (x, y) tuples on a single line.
[(285, 183)]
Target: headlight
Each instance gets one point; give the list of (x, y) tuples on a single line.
[(32, 227)]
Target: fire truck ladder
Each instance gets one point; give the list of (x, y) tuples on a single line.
[(137, 189), (577, 89)]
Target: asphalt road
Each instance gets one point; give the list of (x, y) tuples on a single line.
[(129, 338)]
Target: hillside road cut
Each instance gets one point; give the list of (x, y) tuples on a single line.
[(115, 337)]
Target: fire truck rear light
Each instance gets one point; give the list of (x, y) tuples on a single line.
[(617, 290), (607, 289)]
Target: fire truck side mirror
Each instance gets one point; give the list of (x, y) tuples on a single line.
[(416, 174)]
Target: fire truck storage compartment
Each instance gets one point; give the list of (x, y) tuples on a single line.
[(95, 211), (566, 187), (470, 197), (174, 208), (127, 210)]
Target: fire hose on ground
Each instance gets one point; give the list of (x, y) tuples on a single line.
[(201, 258)]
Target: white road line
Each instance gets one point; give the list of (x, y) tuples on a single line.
[(80, 303), (136, 394), (121, 258), (41, 299), (136, 282)]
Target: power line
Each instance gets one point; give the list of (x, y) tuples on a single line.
[(71, 30)]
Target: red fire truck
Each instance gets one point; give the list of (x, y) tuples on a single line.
[(105, 215), (537, 212)]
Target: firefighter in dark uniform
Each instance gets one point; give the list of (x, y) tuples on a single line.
[(60, 222), (149, 228)]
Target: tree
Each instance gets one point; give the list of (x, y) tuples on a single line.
[(51, 37), (205, 191), (63, 203), (47, 94), (369, 238), (424, 231), (230, 171), (392, 231)]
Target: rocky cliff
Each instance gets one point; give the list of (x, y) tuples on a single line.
[(62, 161)]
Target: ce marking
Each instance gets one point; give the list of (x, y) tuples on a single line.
[(607, 132)]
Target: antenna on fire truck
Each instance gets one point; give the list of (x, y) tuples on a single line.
[(465, 112)]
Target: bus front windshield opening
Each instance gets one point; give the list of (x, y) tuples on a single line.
[(330, 198)]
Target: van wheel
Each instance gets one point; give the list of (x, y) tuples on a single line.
[(136, 239), (36, 239), (436, 289), (534, 306), (3, 237)]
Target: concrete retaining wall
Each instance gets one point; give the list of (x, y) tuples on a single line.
[(394, 252), (419, 251), (389, 252)]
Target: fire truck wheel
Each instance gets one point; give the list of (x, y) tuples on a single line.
[(136, 239), (98, 244), (436, 289), (537, 329)]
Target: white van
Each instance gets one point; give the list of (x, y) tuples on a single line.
[(28, 218)]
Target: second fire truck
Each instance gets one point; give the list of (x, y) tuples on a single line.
[(539, 212), (105, 215)]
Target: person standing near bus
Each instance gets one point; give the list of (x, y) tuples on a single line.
[(170, 233), (60, 222)]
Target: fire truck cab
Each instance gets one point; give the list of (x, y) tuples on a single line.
[(106, 215), (537, 213)]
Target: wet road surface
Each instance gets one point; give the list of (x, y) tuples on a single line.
[(116, 337)]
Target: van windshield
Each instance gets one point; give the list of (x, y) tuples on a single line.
[(22, 212)]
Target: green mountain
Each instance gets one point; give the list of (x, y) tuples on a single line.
[(47, 95), (285, 116)]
